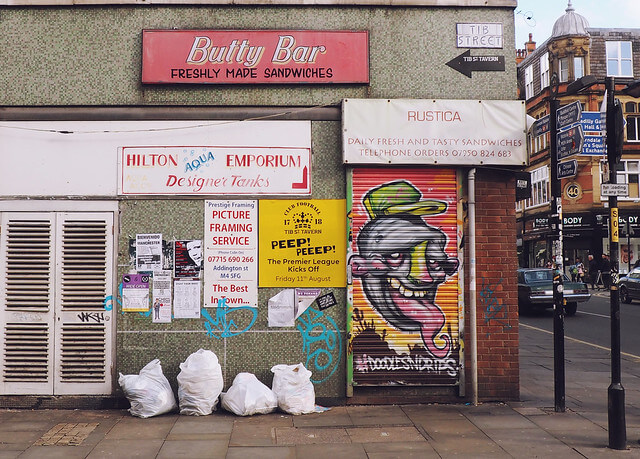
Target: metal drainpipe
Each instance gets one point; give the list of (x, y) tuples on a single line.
[(473, 335)]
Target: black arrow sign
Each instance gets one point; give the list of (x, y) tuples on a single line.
[(465, 63)]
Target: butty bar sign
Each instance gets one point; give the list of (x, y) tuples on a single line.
[(231, 253)]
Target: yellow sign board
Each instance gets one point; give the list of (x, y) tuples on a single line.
[(614, 224), (302, 243)]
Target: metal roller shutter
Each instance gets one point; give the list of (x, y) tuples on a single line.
[(404, 292)]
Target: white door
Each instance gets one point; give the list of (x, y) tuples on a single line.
[(56, 272)]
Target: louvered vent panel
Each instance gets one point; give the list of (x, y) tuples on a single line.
[(28, 262), (83, 353), (84, 276), (26, 352)]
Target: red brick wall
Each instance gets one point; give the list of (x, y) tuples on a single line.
[(497, 290)]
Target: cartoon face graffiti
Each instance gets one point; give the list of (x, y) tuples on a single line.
[(401, 261)]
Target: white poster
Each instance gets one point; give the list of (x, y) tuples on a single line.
[(231, 253), (186, 299), (289, 304), (161, 308), (443, 132), (135, 293), (148, 252)]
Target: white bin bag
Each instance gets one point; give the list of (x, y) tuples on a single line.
[(248, 396), (149, 392), (294, 389), (199, 383)]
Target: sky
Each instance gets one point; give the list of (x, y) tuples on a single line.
[(538, 16)]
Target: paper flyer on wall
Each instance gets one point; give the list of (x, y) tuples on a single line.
[(285, 307), (161, 297), (188, 258), (148, 252), (135, 292), (231, 252), (186, 299)]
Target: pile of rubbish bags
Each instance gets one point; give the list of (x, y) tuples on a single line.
[(200, 385)]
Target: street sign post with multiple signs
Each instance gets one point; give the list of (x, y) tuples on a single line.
[(569, 138)]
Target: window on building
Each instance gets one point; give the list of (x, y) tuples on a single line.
[(544, 71), (629, 173), (619, 59), (528, 82), (633, 122), (578, 67), (539, 188), (563, 65)]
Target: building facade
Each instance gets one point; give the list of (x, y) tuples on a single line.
[(278, 182), (577, 52)]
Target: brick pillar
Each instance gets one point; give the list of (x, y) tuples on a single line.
[(496, 284)]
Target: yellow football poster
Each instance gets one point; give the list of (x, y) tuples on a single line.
[(302, 243)]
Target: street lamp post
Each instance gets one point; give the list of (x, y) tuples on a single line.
[(615, 130), (556, 226)]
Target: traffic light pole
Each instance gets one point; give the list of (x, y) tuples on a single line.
[(556, 226), (617, 424)]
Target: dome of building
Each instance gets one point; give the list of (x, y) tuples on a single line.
[(571, 23)]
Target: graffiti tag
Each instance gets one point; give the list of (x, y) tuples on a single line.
[(97, 317), (367, 363), (224, 326), (321, 343), (494, 309)]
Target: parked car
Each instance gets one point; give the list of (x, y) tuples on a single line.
[(629, 286), (535, 291)]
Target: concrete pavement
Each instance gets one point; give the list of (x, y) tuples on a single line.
[(528, 428)]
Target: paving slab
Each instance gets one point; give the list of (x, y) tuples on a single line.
[(141, 429), (337, 416), (57, 452), (193, 449), (252, 435), (270, 452), (333, 451), (310, 435), (378, 415), (405, 450), (532, 443), (126, 448), (202, 425), (384, 434)]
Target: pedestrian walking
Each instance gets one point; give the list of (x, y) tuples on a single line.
[(579, 268), (605, 268), (594, 271)]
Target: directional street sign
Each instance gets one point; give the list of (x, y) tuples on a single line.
[(594, 145), (569, 114), (541, 126), (591, 122), (568, 169), (569, 142), (465, 63)]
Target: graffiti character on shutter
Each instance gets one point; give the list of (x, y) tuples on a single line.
[(401, 261)]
